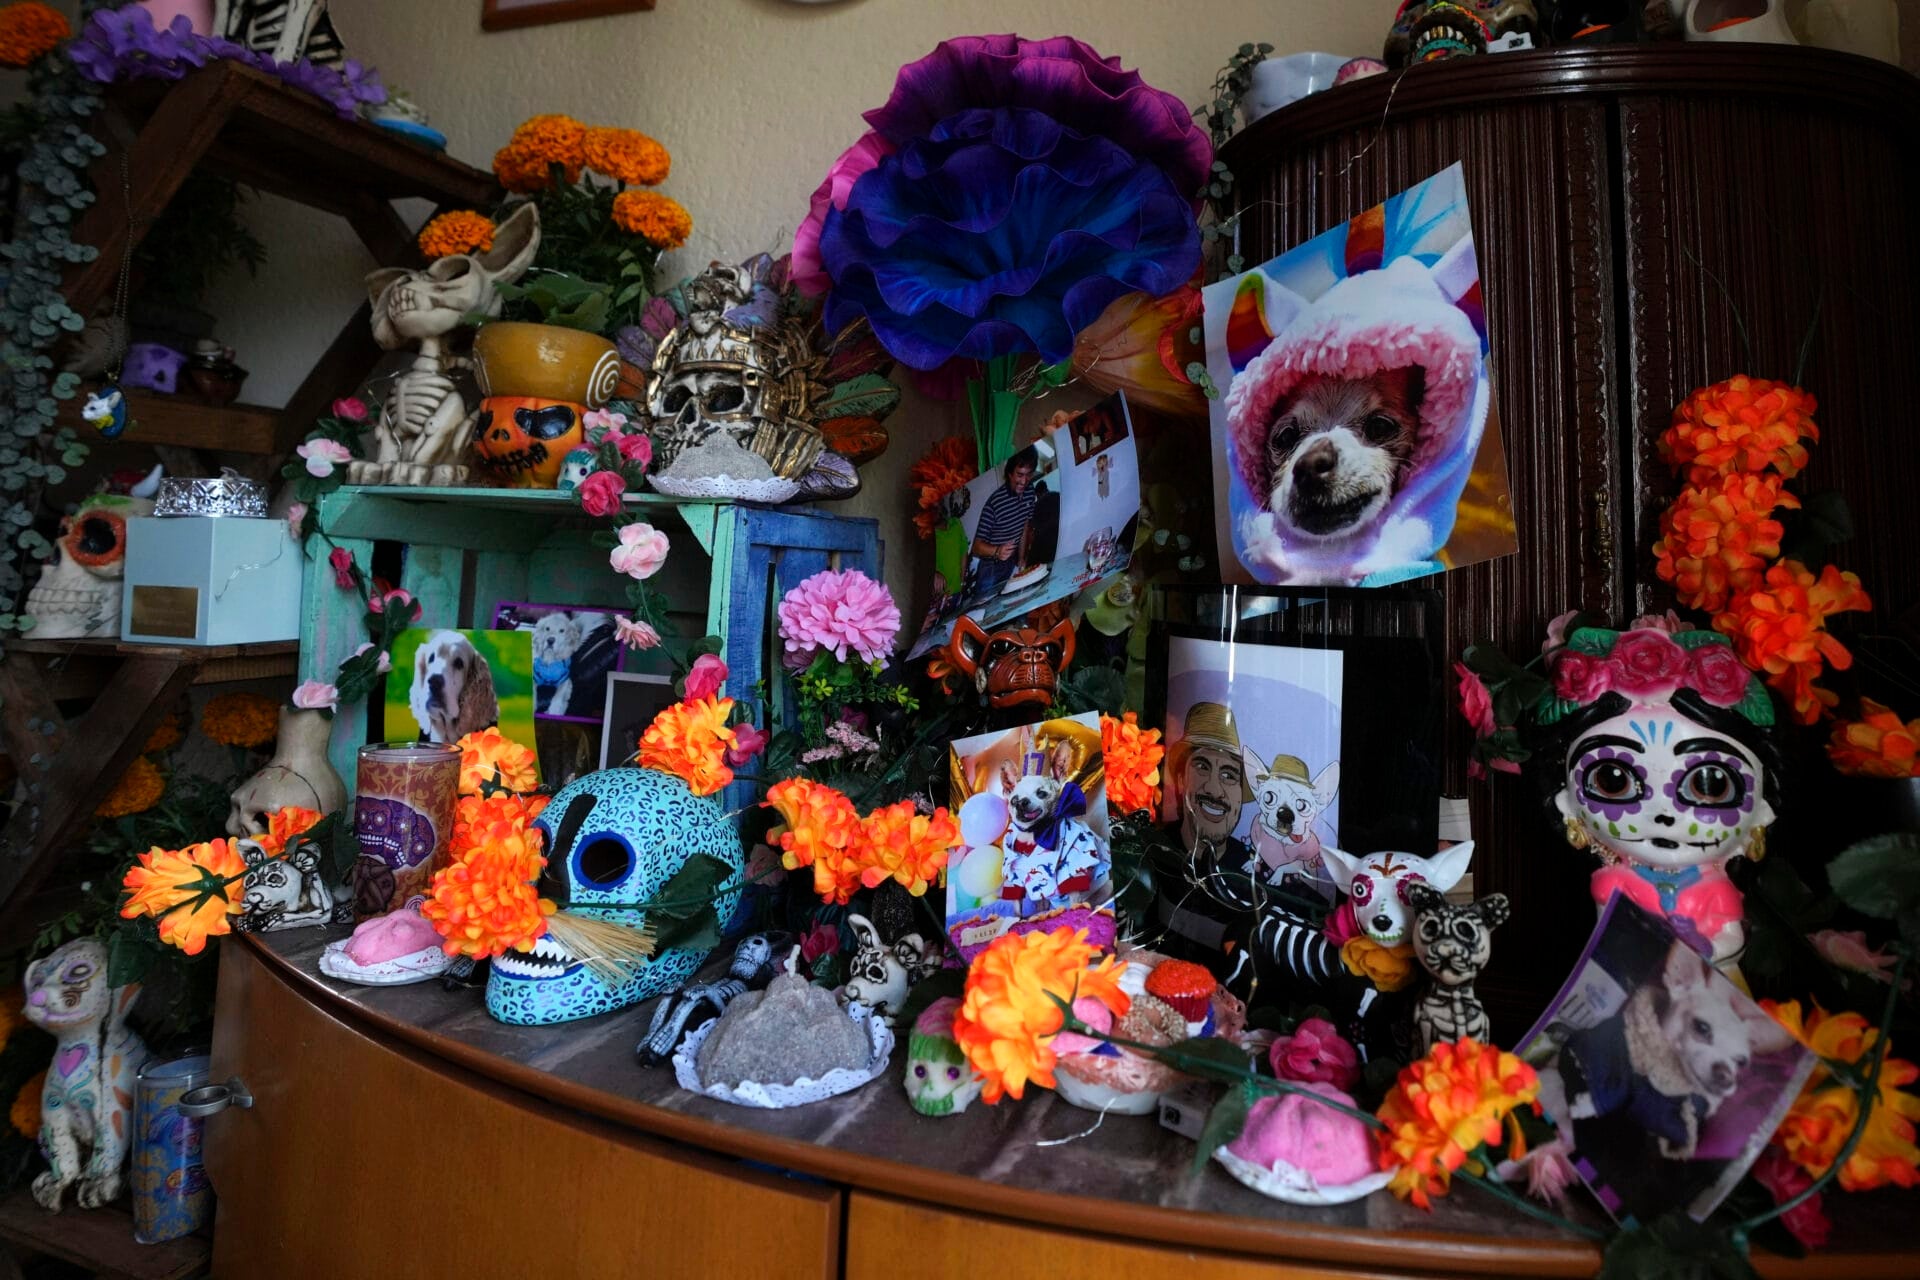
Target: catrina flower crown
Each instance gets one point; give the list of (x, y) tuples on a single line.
[(1646, 663)]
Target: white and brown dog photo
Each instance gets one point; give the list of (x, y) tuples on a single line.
[(452, 692), (575, 649)]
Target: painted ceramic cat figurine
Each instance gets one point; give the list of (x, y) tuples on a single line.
[(86, 1107)]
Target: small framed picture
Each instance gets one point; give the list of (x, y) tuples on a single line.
[(504, 15), (574, 651), (633, 699)]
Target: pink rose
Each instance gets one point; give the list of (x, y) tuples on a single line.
[(748, 742), (1315, 1053), (636, 449), (1716, 673), (342, 561), (386, 659), (317, 695), (635, 634), (323, 455), (603, 420), (296, 517), (1849, 950), (1668, 622), (821, 940), (1504, 766), (642, 550), (600, 493), (1783, 1179), (1476, 704), (1557, 631), (378, 602), (1581, 678), (1646, 663), (707, 677), (351, 408)]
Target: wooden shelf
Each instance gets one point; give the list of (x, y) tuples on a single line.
[(100, 1240), (187, 423), (131, 649)]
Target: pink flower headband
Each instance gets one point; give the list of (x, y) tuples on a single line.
[(1646, 664)]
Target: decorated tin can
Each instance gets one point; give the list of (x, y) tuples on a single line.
[(402, 815), (171, 1195)]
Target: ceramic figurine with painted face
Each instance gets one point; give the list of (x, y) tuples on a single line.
[(939, 1080), (1659, 757)]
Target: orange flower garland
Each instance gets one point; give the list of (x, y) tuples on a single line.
[(1132, 757), (190, 891), (625, 155), (138, 790), (485, 902), (1716, 540), (947, 466), (29, 31), (1742, 424), (898, 844), (1824, 1115), (662, 220), (479, 820), (166, 735), (284, 825), (689, 740), (819, 828), (1877, 745), (1779, 628), (458, 231), (488, 758), (1443, 1108), (240, 719), (1007, 1014)]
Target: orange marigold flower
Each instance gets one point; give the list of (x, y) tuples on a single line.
[(1131, 756), (1877, 745), (1779, 627), (138, 790), (1824, 1115), (240, 719), (458, 231), (520, 169), (1716, 539), (488, 758), (1443, 1108), (1742, 424), (485, 902), (950, 464), (29, 31), (479, 820), (898, 844), (554, 139), (819, 828), (24, 1115), (689, 740), (660, 220), (191, 890), (166, 735), (285, 824), (1008, 1017), (626, 155)]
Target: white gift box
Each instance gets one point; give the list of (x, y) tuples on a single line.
[(209, 580)]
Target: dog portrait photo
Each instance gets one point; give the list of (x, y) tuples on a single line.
[(1353, 440), (1662, 1077), (1032, 806), (574, 650), (446, 684)]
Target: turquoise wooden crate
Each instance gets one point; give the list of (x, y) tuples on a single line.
[(470, 549)]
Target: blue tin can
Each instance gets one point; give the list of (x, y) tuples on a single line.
[(171, 1194)]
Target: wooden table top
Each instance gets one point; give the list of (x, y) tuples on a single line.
[(1040, 1160)]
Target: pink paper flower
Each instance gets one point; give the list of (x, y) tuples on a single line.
[(317, 695), (1646, 663), (603, 420), (821, 940), (1096, 1015), (1784, 1179), (1476, 704), (1581, 678), (1341, 926), (323, 455), (748, 742), (350, 408), (1716, 673), (837, 611), (378, 602), (1669, 622), (341, 560), (635, 634), (808, 273), (386, 659), (1316, 1053), (642, 550), (601, 492), (296, 517), (1547, 1169), (1849, 950), (707, 677), (1557, 631), (636, 449)]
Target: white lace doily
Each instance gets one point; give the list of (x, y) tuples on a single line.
[(769, 490), (773, 1097), (1295, 1185)]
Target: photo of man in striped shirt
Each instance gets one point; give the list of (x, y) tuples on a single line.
[(1001, 537)]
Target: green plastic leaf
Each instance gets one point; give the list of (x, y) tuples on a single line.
[(128, 958), (1879, 876), (867, 396), (1224, 1123)]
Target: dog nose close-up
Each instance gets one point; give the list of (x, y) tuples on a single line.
[(436, 683), (1317, 463)]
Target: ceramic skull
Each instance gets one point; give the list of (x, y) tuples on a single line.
[(78, 596), (574, 468)]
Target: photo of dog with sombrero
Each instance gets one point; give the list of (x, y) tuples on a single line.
[(1353, 442)]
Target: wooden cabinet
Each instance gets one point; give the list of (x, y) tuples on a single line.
[(1648, 219)]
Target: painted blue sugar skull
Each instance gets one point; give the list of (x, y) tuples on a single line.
[(613, 838)]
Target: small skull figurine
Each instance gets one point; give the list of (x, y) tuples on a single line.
[(78, 596), (1012, 667), (574, 468), (1453, 944), (940, 1081), (879, 975)]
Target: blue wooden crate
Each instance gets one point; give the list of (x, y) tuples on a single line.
[(468, 550)]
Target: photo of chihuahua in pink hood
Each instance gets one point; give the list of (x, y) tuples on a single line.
[(1356, 395)]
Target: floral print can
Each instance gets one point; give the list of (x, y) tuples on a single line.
[(402, 816), (171, 1194)]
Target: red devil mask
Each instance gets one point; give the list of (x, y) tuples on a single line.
[(1018, 666)]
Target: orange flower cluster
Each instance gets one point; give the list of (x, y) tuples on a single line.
[(1446, 1106), (1824, 1115), (821, 829), (1131, 756), (479, 820), (525, 163), (1740, 425), (488, 758), (29, 31), (485, 903), (166, 735), (1008, 1015), (1716, 538), (625, 155), (1877, 745), (1779, 627), (284, 825), (690, 740), (190, 892), (457, 231), (138, 790), (240, 719), (661, 220), (950, 464)]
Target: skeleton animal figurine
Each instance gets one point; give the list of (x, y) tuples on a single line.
[(425, 425), (691, 1007), (881, 974), (282, 893), (78, 595), (86, 1105), (1015, 666), (1452, 943), (284, 30)]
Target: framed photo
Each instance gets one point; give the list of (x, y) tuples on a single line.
[(504, 15), (446, 684), (574, 650), (632, 701), (1664, 1078)]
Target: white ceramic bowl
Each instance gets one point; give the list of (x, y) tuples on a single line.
[(1279, 81)]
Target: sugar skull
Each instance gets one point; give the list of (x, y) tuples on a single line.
[(613, 839), (940, 1081), (574, 468), (78, 595), (1657, 752), (521, 442), (1376, 884)]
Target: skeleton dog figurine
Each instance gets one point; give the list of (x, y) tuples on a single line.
[(1452, 943), (424, 424), (86, 1106)]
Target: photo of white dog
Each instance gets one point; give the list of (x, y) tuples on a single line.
[(452, 691), (1283, 835), (574, 651)]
